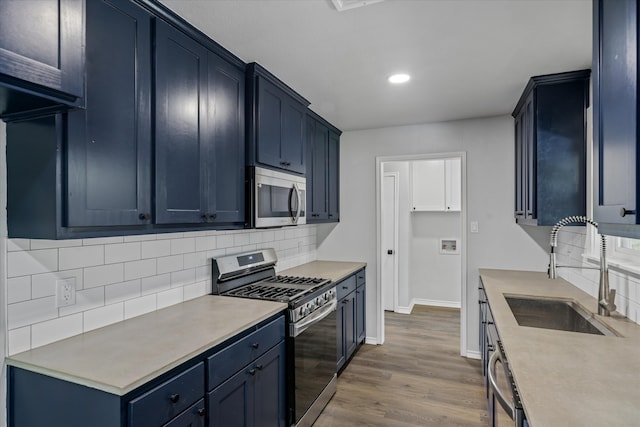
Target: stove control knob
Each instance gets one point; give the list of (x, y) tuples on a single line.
[(302, 311)]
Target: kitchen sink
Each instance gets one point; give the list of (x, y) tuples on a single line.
[(559, 314)]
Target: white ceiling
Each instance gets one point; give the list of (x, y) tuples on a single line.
[(467, 58)]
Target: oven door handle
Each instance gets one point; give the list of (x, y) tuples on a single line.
[(296, 329), (491, 374)]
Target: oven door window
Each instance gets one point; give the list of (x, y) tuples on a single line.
[(315, 362)]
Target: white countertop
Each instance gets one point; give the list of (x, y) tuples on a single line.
[(121, 357), (567, 378), (333, 270)]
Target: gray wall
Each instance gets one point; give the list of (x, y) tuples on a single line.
[(500, 243)]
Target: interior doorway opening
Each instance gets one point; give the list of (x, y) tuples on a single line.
[(421, 244)]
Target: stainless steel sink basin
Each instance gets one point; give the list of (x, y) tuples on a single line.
[(563, 315)]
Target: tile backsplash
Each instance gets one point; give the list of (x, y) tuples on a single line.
[(572, 242), (121, 277)]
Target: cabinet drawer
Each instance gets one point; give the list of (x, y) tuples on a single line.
[(157, 406), (192, 417), (360, 277), (345, 287), (231, 359)]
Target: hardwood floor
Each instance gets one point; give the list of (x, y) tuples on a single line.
[(417, 378)]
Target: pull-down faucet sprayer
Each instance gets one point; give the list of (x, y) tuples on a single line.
[(606, 297)]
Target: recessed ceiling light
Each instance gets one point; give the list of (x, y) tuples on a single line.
[(399, 78)]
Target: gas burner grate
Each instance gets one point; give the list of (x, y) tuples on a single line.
[(293, 280), (266, 292)]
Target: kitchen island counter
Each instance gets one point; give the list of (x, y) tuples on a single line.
[(566, 378)]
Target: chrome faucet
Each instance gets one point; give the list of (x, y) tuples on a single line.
[(606, 296)]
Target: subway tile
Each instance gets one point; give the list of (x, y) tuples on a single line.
[(156, 283), (122, 252), (18, 289), (206, 243), (138, 269), (102, 240), (44, 285), (85, 256), (56, 330), (170, 297), (183, 277), (86, 299), (194, 234), (216, 253), (32, 262), (19, 340), (278, 235), (140, 238), (268, 236), (122, 291), (195, 290), (54, 244), (248, 248), (241, 239), (224, 241), (203, 273), (156, 248), (18, 245), (170, 263), (256, 237), (290, 233), (103, 275), (196, 259), (183, 246), (139, 306), (165, 236), (103, 316)]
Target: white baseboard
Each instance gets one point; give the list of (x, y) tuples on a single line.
[(435, 303), (404, 310), (371, 340), (473, 354)]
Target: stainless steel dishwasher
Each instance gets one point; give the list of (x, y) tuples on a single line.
[(505, 407)]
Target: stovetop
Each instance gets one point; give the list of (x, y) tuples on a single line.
[(280, 288)]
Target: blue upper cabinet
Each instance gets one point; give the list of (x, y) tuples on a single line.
[(615, 116), (276, 122), (109, 142), (41, 55), (550, 148), (199, 133), (323, 170), (181, 146)]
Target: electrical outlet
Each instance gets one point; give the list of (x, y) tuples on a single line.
[(65, 292), (474, 226)]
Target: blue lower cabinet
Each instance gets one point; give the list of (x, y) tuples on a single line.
[(350, 317), (254, 396), (195, 416)]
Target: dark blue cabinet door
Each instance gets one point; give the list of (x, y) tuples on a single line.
[(317, 179), (231, 404), (191, 417), (270, 392), (360, 314), (225, 142), (340, 335), (350, 335), (333, 165), (293, 135), (181, 87), (615, 95), (41, 51), (269, 124), (109, 143)]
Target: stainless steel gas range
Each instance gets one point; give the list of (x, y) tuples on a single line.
[(311, 320)]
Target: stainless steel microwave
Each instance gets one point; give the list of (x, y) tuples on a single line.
[(278, 198)]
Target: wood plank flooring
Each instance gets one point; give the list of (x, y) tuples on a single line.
[(417, 378)]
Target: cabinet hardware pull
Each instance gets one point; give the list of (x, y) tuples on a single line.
[(202, 412), (345, 287), (144, 216), (255, 345), (205, 216), (624, 212), (252, 372), (174, 398), (214, 215), (346, 300), (259, 367)]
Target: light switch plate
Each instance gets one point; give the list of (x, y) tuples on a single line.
[(474, 226)]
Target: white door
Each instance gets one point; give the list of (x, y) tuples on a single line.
[(389, 241)]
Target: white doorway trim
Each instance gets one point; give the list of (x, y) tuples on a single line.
[(396, 203), (380, 160)]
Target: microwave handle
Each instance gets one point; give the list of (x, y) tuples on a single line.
[(295, 217)]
